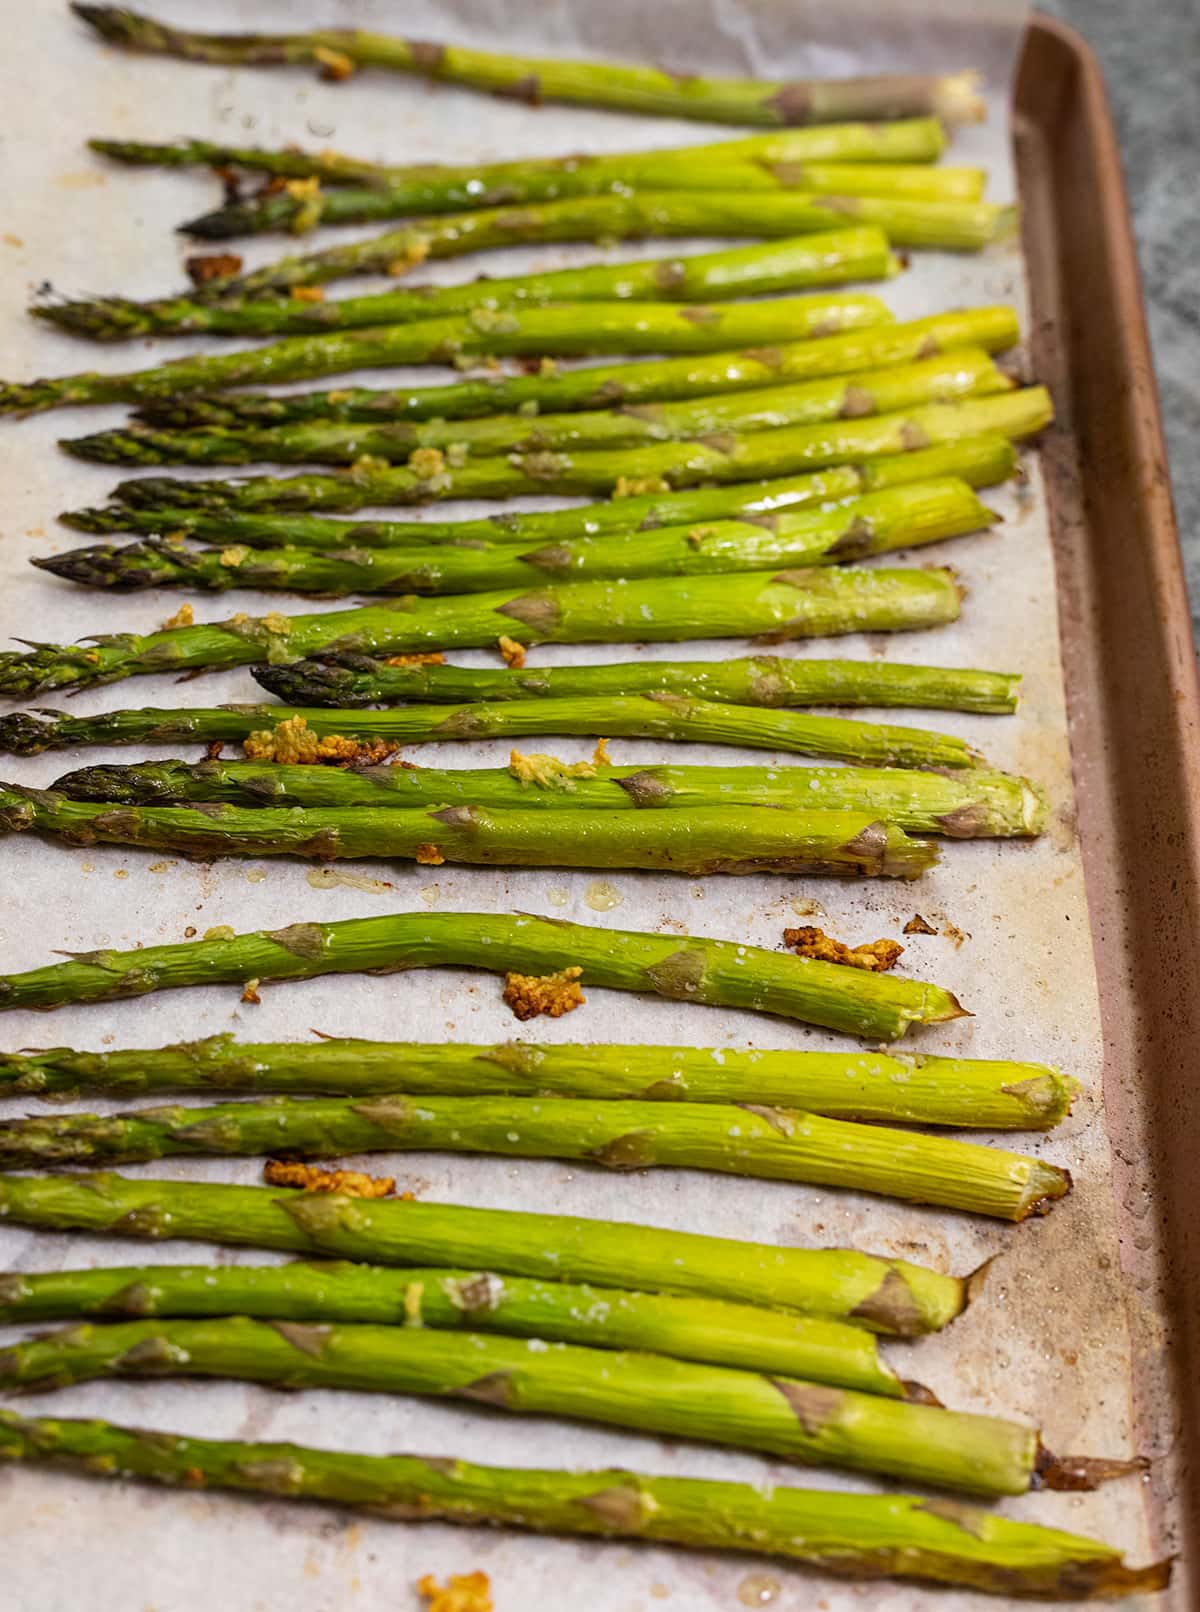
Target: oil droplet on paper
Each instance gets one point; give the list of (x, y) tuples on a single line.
[(255, 875), (602, 896), (327, 878), (758, 1589), (558, 895), (804, 908), (430, 893)]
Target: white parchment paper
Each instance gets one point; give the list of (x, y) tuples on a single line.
[(1049, 1340)]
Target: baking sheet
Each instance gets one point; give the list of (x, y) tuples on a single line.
[(1026, 968)]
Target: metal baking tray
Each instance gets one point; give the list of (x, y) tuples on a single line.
[(1134, 711), (1126, 1288)]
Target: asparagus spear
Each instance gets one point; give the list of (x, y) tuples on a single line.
[(900, 1087), (697, 840), (809, 260), (566, 329), (662, 716), (788, 604), (867, 346), (678, 967), (897, 1536), (962, 226), (919, 140), (979, 460), (965, 373), (382, 199), (773, 1144), (724, 456), (357, 680), (968, 805), (890, 1296), (878, 523), (448, 1300), (28, 733), (783, 1416), (951, 97)]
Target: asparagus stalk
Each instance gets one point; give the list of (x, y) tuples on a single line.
[(980, 460), (678, 967), (910, 1088), (721, 457), (788, 604), (566, 329), (951, 97), (665, 716), (382, 199), (889, 1296), (772, 1144), (698, 840), (866, 346), (809, 260), (28, 733), (967, 805), (480, 1301), (897, 1536), (878, 523), (920, 140), (967, 373), (771, 680), (784, 1416), (962, 226)]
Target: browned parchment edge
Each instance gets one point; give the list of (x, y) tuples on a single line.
[(1134, 714)]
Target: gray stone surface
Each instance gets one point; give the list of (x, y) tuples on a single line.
[(1150, 55)]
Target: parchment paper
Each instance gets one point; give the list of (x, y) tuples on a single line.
[(1048, 1340)]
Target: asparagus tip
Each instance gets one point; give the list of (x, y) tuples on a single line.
[(102, 566), (25, 733)]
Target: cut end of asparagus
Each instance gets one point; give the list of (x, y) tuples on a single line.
[(957, 98), (1046, 1183)]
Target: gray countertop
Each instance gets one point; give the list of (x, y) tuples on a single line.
[(1150, 55)]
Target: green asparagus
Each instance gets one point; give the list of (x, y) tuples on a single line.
[(951, 97), (961, 226), (663, 466), (710, 1330), (28, 733), (980, 460), (564, 329), (897, 1536), (965, 373), (810, 602), (297, 209), (808, 260), (965, 805), (784, 1416), (697, 840), (686, 968), (877, 523), (900, 1087), (920, 140), (890, 1296), (357, 680), (772, 1144), (867, 346)]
